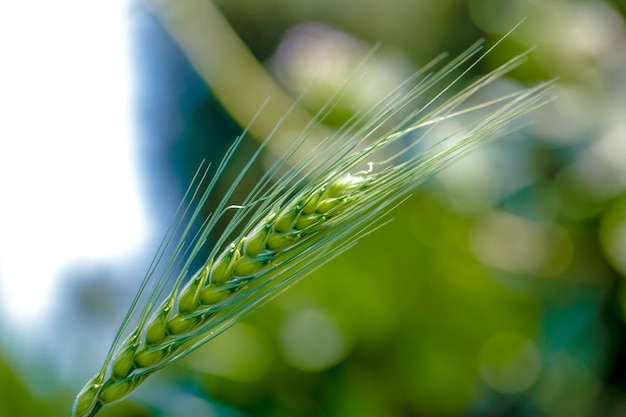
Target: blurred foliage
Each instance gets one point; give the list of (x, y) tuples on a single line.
[(15, 397), (498, 290)]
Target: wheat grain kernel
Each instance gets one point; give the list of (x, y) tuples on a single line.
[(87, 397), (245, 267), (280, 241), (308, 220), (221, 271), (157, 328), (255, 241), (124, 362), (327, 204), (180, 324), (150, 356), (285, 220), (115, 391), (345, 185), (210, 296), (310, 204), (188, 300)]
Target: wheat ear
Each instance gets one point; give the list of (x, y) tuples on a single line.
[(292, 224)]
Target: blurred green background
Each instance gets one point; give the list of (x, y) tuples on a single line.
[(497, 291)]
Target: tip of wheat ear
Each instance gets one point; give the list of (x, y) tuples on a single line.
[(289, 226)]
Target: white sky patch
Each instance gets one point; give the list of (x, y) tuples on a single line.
[(68, 189)]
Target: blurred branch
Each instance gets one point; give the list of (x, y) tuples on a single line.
[(237, 79)]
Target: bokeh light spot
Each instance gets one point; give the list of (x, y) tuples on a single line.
[(613, 235), (241, 354), (318, 59), (471, 182), (518, 245), (509, 243), (311, 341), (509, 363)]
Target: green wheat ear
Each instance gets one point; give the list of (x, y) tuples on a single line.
[(297, 217)]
